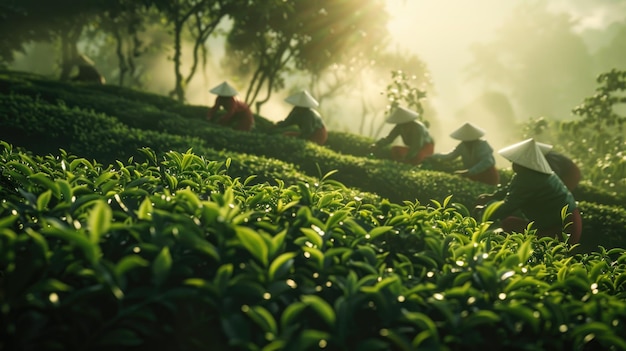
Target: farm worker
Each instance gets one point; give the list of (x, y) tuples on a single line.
[(415, 136), (562, 165), (476, 155), (535, 194), (87, 71), (236, 114), (304, 116)]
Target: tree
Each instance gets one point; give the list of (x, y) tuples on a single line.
[(123, 21), (201, 18), (278, 37), (538, 60), (32, 20)]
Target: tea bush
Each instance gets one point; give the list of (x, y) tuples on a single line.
[(101, 131), (173, 253)]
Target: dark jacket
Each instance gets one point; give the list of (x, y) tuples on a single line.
[(414, 135), (539, 196), (306, 119)]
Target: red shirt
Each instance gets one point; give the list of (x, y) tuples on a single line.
[(237, 113)]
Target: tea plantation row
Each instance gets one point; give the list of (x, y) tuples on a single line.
[(174, 253), (109, 123)]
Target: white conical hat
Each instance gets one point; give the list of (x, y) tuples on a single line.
[(468, 132), (302, 99), (402, 115), (528, 154), (224, 89), (545, 148)]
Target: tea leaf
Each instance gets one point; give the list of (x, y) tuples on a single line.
[(99, 220), (335, 218), (128, 263), (290, 314), (47, 183), (253, 242), (263, 318), (378, 231), (322, 308), (520, 312), (161, 266), (481, 317), (145, 209), (281, 265), (43, 200), (314, 237), (490, 209)]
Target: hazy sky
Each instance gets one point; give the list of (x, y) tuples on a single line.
[(440, 32)]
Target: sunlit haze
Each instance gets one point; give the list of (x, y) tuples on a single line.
[(438, 32)]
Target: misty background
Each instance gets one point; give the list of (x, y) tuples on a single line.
[(495, 63)]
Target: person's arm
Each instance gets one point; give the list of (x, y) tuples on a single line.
[(214, 109), (393, 134), (289, 121), (516, 196), (455, 153), (499, 194)]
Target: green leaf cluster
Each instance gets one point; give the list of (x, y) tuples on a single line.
[(173, 252)]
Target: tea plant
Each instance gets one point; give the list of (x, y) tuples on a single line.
[(174, 253)]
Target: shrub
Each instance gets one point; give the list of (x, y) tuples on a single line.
[(174, 253)]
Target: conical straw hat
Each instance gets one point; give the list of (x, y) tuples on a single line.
[(302, 99), (224, 89), (402, 115), (468, 132), (528, 154), (545, 148)]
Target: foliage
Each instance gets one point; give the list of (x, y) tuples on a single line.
[(402, 92), (596, 141), (174, 253), (200, 18), (303, 35), (32, 117)]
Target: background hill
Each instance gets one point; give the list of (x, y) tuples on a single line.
[(109, 123)]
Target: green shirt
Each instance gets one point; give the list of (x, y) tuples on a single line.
[(539, 196)]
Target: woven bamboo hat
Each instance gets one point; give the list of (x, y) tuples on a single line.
[(224, 89), (402, 115), (302, 99), (468, 132), (528, 154)]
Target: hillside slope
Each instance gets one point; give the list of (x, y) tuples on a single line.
[(109, 123)]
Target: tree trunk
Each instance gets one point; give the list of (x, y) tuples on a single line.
[(179, 89), (69, 52)]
